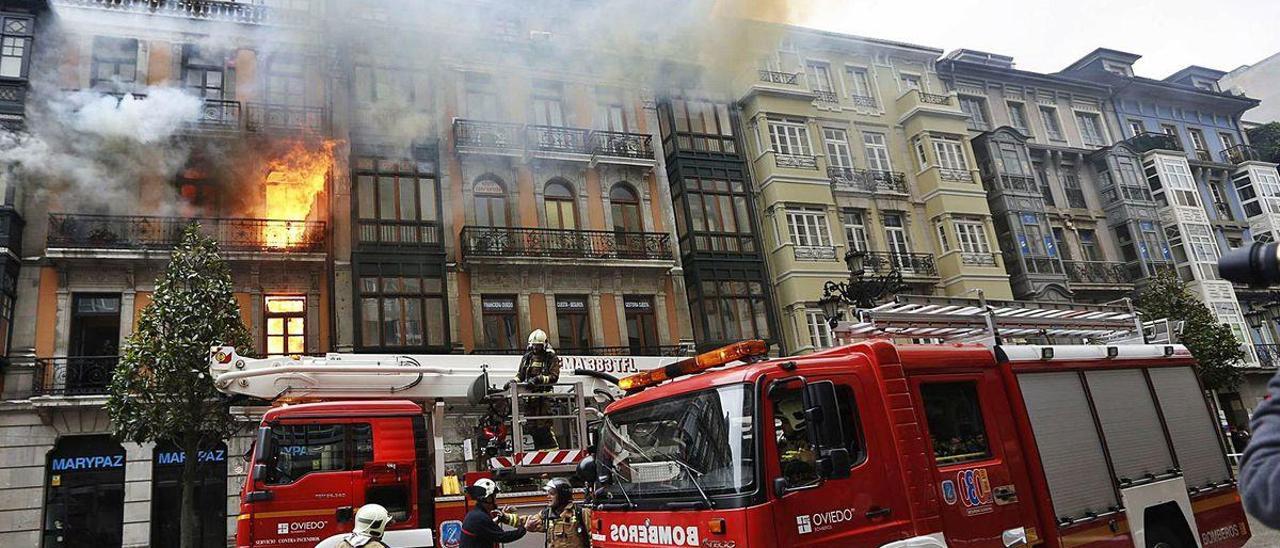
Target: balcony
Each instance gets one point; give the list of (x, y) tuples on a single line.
[(483, 242), (776, 77), (845, 179), (955, 175), (814, 253), (1127, 193), (934, 99), (397, 234), (917, 265), (1148, 140), (978, 259), (1268, 354), (864, 101), (137, 233), (1104, 273), (212, 10), (284, 118), (1203, 155), (73, 376), (1153, 268), (1038, 265), (1075, 198), (795, 161), (826, 96), (567, 143), (1240, 154), (219, 114)]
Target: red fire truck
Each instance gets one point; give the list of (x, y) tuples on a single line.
[(871, 444)]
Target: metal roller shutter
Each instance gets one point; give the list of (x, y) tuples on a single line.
[(1130, 423), (1069, 447), (1192, 428)]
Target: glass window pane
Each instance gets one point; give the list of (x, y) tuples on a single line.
[(275, 345), (275, 326), (411, 285), (295, 326), (391, 285), (392, 324), (367, 198), (413, 322), (369, 284), (427, 191), (370, 325), (435, 322), (387, 198), (955, 421), (296, 345)]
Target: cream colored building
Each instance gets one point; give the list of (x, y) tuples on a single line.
[(855, 144)]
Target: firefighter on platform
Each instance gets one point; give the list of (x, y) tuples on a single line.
[(539, 369), (371, 522), (562, 520), (482, 526)]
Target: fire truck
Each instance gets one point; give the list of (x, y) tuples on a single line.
[(404, 431), (971, 440)]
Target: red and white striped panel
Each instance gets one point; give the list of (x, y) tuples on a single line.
[(539, 458)]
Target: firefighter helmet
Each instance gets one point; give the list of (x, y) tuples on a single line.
[(483, 489), (561, 489), (371, 520), (538, 336)]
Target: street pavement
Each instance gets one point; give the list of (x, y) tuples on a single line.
[(1262, 536)]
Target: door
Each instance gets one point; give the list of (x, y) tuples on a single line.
[(84, 496), (211, 495), (317, 466), (971, 435), (868, 508), (895, 235), (642, 325), (94, 342)]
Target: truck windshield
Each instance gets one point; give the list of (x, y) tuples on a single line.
[(668, 449)]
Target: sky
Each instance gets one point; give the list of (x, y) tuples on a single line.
[(1047, 35)]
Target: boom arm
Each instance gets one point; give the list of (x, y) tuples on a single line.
[(423, 377)]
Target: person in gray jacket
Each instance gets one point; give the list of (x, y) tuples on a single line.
[(1260, 465)]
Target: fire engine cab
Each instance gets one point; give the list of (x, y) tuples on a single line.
[(968, 441), (904, 445)]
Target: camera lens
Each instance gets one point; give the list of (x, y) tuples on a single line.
[(1257, 264)]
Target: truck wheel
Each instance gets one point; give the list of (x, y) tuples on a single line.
[(1159, 536)]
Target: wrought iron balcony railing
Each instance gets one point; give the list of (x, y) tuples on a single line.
[(864, 101), (1268, 354), (226, 10), (135, 232), (776, 77), (934, 99), (826, 96), (220, 114), (507, 138), (273, 117), (73, 376), (506, 242), (814, 253), (955, 175), (1149, 140), (795, 161), (909, 264), (1129, 193), (13, 92), (1203, 155), (1017, 263), (556, 139), (621, 145), (848, 179), (1097, 273), (1240, 154), (398, 233), (978, 259)]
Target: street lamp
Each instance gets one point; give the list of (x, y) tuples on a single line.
[(861, 290)]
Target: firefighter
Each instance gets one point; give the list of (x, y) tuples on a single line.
[(562, 520), (539, 369), (482, 526), (371, 522)]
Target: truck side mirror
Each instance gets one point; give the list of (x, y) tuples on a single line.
[(259, 472), (264, 452), (587, 471)]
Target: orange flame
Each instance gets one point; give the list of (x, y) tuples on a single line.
[(293, 182)]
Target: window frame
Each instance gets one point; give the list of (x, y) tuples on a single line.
[(1052, 123), (979, 116), (99, 58), (23, 39), (1019, 120), (789, 137), (1091, 129), (351, 449), (431, 286), (976, 405), (513, 315), (949, 151), (808, 226), (833, 140), (286, 332), (820, 334), (971, 235), (854, 222), (880, 148)]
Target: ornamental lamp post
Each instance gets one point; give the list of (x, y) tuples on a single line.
[(861, 291)]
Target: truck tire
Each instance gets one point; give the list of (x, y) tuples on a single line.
[(1160, 536)]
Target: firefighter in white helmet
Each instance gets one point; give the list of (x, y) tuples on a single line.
[(371, 523), (482, 526), (539, 368)]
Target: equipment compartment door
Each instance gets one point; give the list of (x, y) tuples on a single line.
[(979, 476), (867, 508)]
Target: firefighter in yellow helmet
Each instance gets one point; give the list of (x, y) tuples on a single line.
[(539, 369)]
